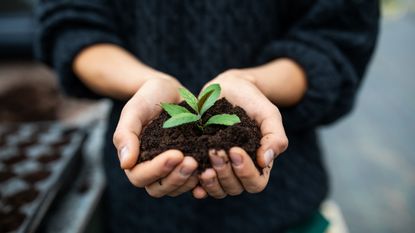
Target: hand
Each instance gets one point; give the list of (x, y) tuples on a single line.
[(169, 173), (241, 174)]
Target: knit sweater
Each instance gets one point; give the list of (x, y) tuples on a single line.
[(332, 40)]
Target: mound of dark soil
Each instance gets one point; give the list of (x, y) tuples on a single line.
[(193, 142)]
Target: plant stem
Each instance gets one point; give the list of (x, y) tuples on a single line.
[(200, 125)]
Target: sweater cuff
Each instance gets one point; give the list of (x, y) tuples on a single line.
[(67, 28), (67, 46), (323, 83)]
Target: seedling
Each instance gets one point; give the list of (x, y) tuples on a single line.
[(180, 115)]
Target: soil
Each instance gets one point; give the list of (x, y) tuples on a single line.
[(27, 143), (15, 159), (48, 158), (10, 221), (36, 176), (44, 103), (5, 175), (63, 141), (193, 142), (18, 204), (22, 197)]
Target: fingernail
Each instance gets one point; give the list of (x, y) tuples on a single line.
[(236, 159), (122, 155), (268, 156), (170, 164), (209, 182), (217, 161), (186, 171)]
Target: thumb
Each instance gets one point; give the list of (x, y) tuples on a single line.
[(127, 145), (127, 133), (273, 141)]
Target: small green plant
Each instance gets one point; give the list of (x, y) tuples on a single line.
[(180, 115)]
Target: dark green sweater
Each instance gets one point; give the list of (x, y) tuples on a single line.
[(196, 40)]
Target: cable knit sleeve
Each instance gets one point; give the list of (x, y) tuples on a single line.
[(332, 41), (65, 28)]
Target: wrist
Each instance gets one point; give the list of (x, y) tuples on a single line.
[(112, 71), (160, 75), (233, 75), (282, 81)]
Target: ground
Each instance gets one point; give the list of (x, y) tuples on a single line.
[(370, 154)]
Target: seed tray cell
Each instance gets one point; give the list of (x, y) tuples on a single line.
[(36, 159)]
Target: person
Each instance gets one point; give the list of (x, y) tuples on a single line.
[(292, 65)]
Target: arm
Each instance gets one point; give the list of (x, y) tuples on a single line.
[(312, 75), (332, 41), (65, 28), (80, 40), (283, 75), (110, 70)]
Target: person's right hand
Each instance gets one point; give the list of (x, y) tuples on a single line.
[(170, 173)]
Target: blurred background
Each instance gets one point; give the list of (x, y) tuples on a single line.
[(370, 153)]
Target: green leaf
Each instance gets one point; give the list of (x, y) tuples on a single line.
[(223, 119), (208, 97), (180, 119), (173, 109), (190, 99), (208, 89)]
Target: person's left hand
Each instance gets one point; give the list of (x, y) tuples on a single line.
[(225, 178)]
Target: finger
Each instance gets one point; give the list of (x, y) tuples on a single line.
[(150, 171), (273, 141), (174, 180), (211, 184), (247, 173), (138, 111), (128, 147), (186, 187), (132, 118), (227, 179), (199, 193)]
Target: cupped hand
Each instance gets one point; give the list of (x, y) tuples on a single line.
[(225, 178), (170, 173)]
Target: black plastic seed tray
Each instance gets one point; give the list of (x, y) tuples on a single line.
[(36, 161)]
